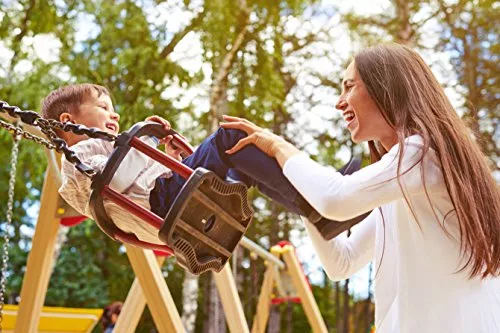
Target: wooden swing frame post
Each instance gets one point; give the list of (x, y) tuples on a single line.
[(133, 307), (294, 269), (40, 259), (135, 303), (231, 303), (155, 290)]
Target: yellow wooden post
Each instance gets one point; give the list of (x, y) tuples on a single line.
[(264, 304), (235, 317), (158, 297), (40, 258), (133, 307), (307, 299)]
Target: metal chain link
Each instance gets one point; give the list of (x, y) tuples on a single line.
[(48, 127), (34, 119), (10, 210), (19, 131)]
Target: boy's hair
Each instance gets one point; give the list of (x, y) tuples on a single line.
[(68, 99)]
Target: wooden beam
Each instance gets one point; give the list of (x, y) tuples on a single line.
[(235, 317), (40, 258), (158, 297), (264, 304), (303, 289), (133, 307)]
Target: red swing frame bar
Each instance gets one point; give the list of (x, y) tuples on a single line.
[(139, 211)]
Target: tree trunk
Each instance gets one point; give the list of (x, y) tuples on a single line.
[(218, 90), (346, 307), (368, 312), (215, 318), (190, 287), (274, 325), (289, 317), (275, 313), (62, 237), (405, 32), (337, 307)]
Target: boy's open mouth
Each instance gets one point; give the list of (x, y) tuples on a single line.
[(112, 127)]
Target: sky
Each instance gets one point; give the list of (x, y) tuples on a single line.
[(188, 53)]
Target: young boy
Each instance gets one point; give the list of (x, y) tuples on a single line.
[(142, 179)]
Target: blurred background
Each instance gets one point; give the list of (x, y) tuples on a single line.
[(278, 63)]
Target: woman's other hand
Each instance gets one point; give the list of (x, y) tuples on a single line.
[(271, 144)]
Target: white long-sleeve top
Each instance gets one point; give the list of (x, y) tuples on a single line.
[(418, 285), (134, 178)]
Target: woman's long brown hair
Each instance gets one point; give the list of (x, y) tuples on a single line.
[(412, 100)]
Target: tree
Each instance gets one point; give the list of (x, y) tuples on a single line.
[(23, 81), (469, 34)]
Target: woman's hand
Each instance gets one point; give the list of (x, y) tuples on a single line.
[(167, 141), (264, 140), (271, 144)]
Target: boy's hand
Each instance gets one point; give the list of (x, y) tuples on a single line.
[(160, 120), (167, 141), (170, 149)]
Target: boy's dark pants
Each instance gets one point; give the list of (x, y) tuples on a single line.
[(249, 165)]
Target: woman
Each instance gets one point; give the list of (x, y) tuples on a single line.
[(434, 232)]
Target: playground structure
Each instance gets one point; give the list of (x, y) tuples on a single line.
[(56, 319), (149, 286)]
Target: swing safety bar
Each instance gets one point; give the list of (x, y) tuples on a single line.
[(162, 158), (101, 188)]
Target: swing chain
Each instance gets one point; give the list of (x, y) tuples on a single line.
[(48, 127), (34, 119), (19, 131), (10, 210)]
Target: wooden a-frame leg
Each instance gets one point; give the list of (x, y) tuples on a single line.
[(40, 259), (305, 293), (235, 317), (158, 297), (264, 304), (133, 307)]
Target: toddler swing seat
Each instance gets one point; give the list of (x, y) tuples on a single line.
[(205, 222)]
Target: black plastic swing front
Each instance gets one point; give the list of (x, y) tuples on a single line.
[(205, 222)]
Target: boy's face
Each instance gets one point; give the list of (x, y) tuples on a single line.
[(95, 111), (98, 111)]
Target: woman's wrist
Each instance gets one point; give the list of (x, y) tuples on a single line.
[(283, 150)]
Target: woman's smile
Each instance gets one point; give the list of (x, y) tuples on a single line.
[(350, 118)]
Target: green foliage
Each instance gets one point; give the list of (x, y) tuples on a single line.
[(130, 52), (470, 35)]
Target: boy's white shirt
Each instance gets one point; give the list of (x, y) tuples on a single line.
[(135, 178)]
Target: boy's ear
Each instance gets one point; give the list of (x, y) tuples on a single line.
[(65, 117)]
